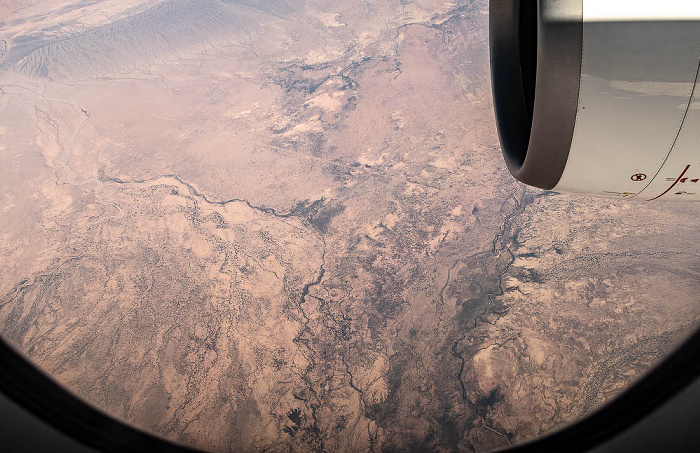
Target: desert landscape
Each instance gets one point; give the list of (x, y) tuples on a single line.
[(287, 226)]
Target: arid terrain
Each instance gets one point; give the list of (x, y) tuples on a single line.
[(286, 225)]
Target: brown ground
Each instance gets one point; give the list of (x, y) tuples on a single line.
[(289, 227)]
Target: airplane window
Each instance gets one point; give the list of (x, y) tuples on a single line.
[(286, 225)]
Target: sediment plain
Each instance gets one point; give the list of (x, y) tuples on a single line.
[(287, 226)]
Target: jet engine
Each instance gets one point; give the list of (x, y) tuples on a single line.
[(599, 97)]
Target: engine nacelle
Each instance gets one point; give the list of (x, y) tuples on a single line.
[(599, 97)]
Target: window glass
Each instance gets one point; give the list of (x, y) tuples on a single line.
[(287, 225)]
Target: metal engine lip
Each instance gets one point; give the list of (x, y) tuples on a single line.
[(536, 150)]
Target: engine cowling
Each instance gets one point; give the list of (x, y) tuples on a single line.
[(599, 97)]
